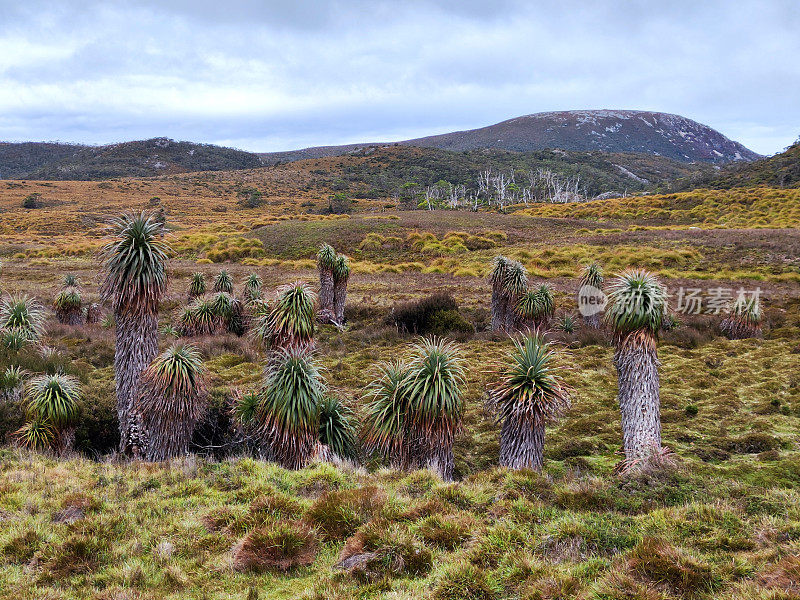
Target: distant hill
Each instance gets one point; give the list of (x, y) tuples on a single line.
[(377, 172), (146, 158), (659, 134), (781, 170)]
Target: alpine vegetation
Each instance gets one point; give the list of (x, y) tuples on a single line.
[(527, 393), (326, 262), (290, 323), (591, 277), (744, 320), (497, 278), (252, 288), (197, 285), (135, 263), (223, 282), (637, 304), (52, 409), (68, 306), (514, 286), (21, 321), (341, 275), (338, 436), (172, 400), (546, 304)]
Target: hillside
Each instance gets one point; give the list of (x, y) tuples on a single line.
[(781, 171), (157, 156), (659, 134)]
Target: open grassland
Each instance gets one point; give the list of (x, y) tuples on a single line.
[(723, 523)]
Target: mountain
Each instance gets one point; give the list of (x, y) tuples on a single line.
[(157, 156), (660, 134)]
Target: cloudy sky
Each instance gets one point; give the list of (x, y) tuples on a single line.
[(277, 75)]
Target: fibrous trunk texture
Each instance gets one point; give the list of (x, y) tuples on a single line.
[(592, 321), (73, 316), (136, 347), (737, 329), (326, 289), (435, 454), (339, 298), (637, 365), (169, 422), (499, 308), (522, 443), (94, 313), (513, 321)]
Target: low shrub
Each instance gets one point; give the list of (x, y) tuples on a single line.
[(280, 546), (435, 314)]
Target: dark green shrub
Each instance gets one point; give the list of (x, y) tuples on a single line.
[(435, 314)]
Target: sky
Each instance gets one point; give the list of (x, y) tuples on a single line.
[(280, 75)]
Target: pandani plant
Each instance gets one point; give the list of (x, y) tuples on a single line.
[(173, 399), (12, 384), (414, 408), (223, 282), (326, 262), (68, 306), (52, 409), (252, 288), (744, 320), (290, 322), (547, 305), (497, 278), (591, 277), (526, 394), (135, 264), (22, 321), (637, 305), (341, 275), (515, 285), (197, 285), (338, 434)]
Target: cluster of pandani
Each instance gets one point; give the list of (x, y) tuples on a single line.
[(412, 409)]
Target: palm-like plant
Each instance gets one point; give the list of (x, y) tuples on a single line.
[(515, 286), (414, 408), (12, 384), (52, 403), (204, 317), (528, 309), (36, 435), (591, 277), (526, 395), (387, 430), (21, 319), (290, 323), (326, 262), (70, 281), (223, 282), (337, 429), (341, 275), (68, 306), (288, 410), (172, 401), (636, 308), (135, 262), (252, 288), (497, 278), (744, 320), (197, 285), (547, 305)]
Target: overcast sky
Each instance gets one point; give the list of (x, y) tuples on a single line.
[(269, 75)]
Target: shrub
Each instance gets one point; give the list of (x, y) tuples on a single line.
[(463, 582), (278, 547), (339, 514), (435, 314)]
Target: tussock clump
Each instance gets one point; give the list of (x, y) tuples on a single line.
[(275, 506), (382, 549), (78, 554), (435, 314), (22, 547), (668, 567), (339, 514), (446, 531), (783, 576), (277, 547), (463, 582)]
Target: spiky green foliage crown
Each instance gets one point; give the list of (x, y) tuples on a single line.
[(205, 317), (291, 320), (197, 286), (547, 303), (223, 282), (53, 399), (386, 410), (36, 435), (528, 386), (68, 299), (326, 257), (337, 427), (177, 372), (516, 281), (529, 306), (252, 286), (21, 317), (289, 408), (592, 275), (341, 268), (434, 386), (245, 407), (70, 281), (222, 304), (499, 270), (637, 302), (135, 262), (12, 377), (748, 311)]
